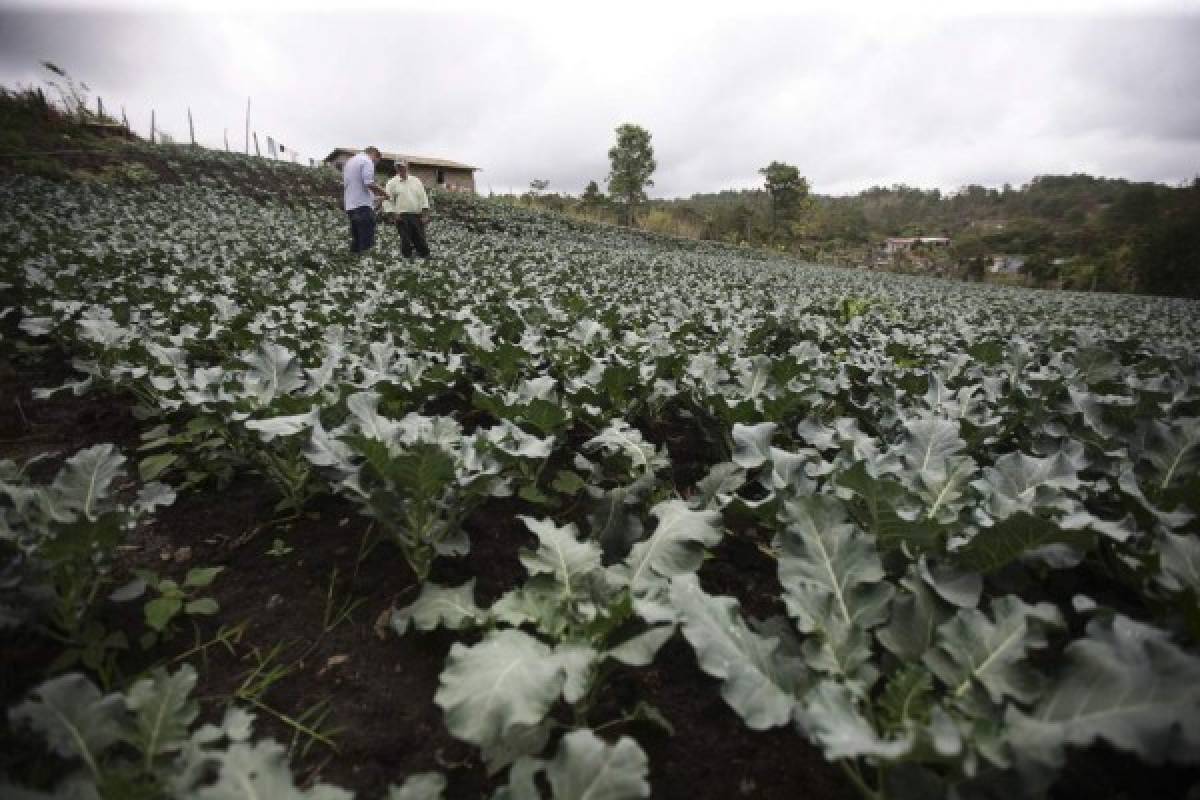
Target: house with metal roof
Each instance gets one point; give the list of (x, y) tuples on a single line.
[(438, 173)]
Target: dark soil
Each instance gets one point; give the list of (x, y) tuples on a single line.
[(60, 425), (377, 689)]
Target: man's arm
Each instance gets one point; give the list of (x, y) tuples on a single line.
[(368, 179), (424, 202)]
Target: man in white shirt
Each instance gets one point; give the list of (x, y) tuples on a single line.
[(406, 199), (358, 197)]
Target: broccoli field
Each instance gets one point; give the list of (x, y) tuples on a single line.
[(573, 511)]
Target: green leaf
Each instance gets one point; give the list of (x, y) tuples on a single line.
[(421, 786), (519, 742), (87, 477), (752, 444), (1019, 482), (675, 547), (1013, 537), (1126, 683), (942, 492), (1096, 365), (1173, 450), (507, 679), (916, 615), (151, 467), (547, 417), (972, 649), (364, 407), (534, 495), (424, 470), (989, 353), (1179, 562), (958, 587), (621, 437), (833, 584), (929, 445), (162, 711), (273, 427), (73, 717), (257, 772), (130, 591), (198, 577), (560, 553), (719, 486), (577, 661), (202, 605), (830, 716), (567, 482), (907, 698), (161, 610), (612, 521), (539, 602), (586, 768), (273, 371), (639, 650), (451, 607), (879, 500), (757, 683)]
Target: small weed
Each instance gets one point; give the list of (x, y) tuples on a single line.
[(279, 549)]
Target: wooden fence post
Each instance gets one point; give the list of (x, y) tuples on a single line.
[(152, 126), (124, 118), (227, 140), (191, 128), (99, 107), (257, 152)]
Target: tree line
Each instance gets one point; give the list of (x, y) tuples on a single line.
[(1073, 231)]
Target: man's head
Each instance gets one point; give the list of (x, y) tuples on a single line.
[(401, 168), (373, 153)]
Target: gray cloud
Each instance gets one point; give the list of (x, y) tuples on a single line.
[(928, 102)]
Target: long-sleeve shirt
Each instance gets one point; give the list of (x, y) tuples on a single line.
[(405, 196), (357, 175)]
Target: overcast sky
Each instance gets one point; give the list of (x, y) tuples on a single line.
[(933, 98)]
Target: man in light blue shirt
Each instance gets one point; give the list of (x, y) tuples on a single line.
[(358, 196)]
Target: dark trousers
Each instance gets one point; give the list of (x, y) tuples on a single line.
[(412, 235), (362, 228)]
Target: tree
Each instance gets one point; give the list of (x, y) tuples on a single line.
[(632, 160), (592, 196), (787, 189)]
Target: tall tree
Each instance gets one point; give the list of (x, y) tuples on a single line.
[(632, 160), (787, 189)]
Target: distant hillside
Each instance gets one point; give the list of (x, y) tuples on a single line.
[(1075, 231)]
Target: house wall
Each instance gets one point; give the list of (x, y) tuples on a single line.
[(456, 180)]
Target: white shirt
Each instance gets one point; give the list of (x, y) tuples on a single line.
[(405, 196), (358, 172)]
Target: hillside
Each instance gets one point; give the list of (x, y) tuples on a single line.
[(569, 510), (1074, 231)]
